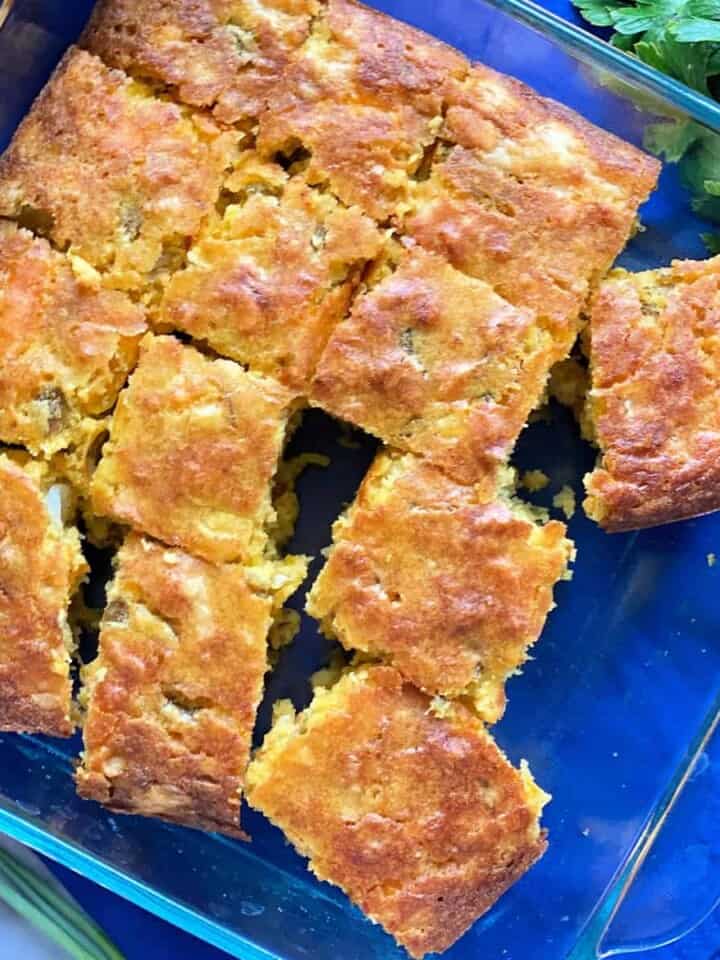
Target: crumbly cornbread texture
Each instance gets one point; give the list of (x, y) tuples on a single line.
[(41, 566), (270, 278), (222, 54), (105, 169), (415, 814), (433, 361), (654, 403), (66, 345), (450, 587), (194, 445), (171, 697)]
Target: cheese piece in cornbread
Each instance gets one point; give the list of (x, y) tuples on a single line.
[(414, 813)]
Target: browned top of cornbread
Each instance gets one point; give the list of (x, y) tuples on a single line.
[(172, 695), (416, 814), (448, 586), (194, 444), (654, 403), (222, 54), (364, 97), (41, 566), (527, 195), (268, 281), (118, 176), (435, 362), (66, 345)]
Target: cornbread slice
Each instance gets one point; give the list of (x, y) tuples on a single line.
[(41, 567), (433, 361), (654, 404), (172, 694), (360, 103), (451, 588), (117, 176), (268, 281), (194, 445), (66, 345), (527, 195), (222, 54), (414, 813)]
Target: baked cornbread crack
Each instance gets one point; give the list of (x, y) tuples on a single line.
[(269, 278), (193, 449), (113, 174), (653, 407), (225, 55), (172, 695), (66, 345), (435, 362), (414, 812), (41, 567), (359, 104), (447, 586)]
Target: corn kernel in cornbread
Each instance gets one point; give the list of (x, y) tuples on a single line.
[(360, 103), (654, 402), (528, 195), (41, 567), (413, 812), (449, 587), (225, 55), (66, 345), (117, 176), (435, 362), (194, 445), (171, 697), (267, 282)]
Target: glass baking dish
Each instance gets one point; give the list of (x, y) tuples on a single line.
[(617, 710)]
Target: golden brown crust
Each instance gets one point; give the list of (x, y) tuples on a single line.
[(119, 177), (194, 444), (267, 282), (433, 361), (655, 363), (419, 818), (41, 566), (450, 588), (222, 54), (66, 345)]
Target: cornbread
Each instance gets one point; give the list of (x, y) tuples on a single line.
[(66, 345), (433, 361), (111, 173), (172, 694), (222, 54), (41, 567), (194, 445), (266, 282), (654, 403), (449, 587), (414, 812), (360, 105)]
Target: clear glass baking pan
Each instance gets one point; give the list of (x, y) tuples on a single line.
[(615, 713)]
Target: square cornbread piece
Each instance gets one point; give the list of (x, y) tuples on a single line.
[(436, 362), (449, 587), (269, 279), (527, 195), (360, 104), (225, 55), (193, 449), (654, 403), (41, 567), (172, 695), (113, 174), (66, 345), (414, 812)]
